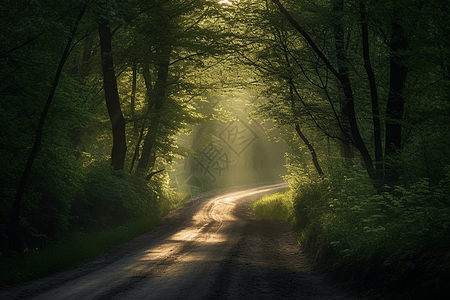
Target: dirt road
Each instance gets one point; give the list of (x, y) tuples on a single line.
[(211, 248)]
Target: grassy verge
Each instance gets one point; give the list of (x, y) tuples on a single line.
[(38, 263), (277, 206)]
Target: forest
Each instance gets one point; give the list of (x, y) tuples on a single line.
[(103, 101)]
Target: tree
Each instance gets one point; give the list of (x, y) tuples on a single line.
[(14, 232), (119, 148), (373, 92), (156, 97), (343, 77), (396, 101), (169, 65)]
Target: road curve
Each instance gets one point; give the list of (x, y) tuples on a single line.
[(212, 248)]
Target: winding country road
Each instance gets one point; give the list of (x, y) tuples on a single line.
[(211, 248)]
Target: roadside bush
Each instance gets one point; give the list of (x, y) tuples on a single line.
[(392, 222), (53, 184), (386, 238), (112, 208), (112, 197)]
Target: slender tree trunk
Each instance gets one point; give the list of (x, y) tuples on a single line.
[(158, 95), (312, 151), (373, 94), (149, 91), (446, 76), (339, 40), (344, 80), (136, 126), (146, 159), (136, 131), (82, 69), (136, 148), (14, 230), (133, 98), (112, 97), (87, 54), (396, 102), (445, 65)]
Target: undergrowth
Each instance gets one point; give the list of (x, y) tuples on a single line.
[(37, 263), (395, 240), (115, 207)]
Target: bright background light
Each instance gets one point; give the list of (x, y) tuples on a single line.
[(225, 2)]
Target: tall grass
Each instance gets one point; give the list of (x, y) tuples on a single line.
[(277, 206)]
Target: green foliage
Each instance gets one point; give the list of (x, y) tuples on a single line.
[(111, 208), (56, 177), (274, 207), (369, 223), (112, 197), (383, 236), (67, 185)]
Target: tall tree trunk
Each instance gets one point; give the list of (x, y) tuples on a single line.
[(445, 64), (112, 97), (339, 40), (349, 105), (87, 54), (311, 149), (136, 131), (396, 102), (14, 229), (136, 148), (344, 80), (82, 69), (373, 94), (295, 111), (446, 75), (133, 98), (157, 95)]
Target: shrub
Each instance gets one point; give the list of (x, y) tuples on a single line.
[(383, 238), (112, 197)]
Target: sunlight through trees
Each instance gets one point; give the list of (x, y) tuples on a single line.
[(113, 109)]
